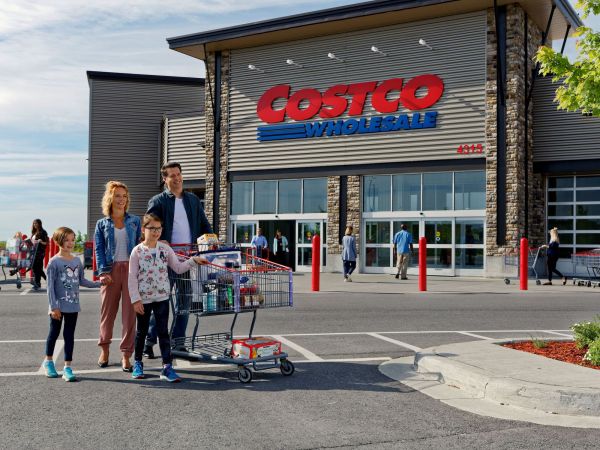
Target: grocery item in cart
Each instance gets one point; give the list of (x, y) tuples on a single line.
[(207, 241), (256, 347)]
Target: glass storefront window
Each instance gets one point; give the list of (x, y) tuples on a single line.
[(469, 258), (586, 210), (315, 195), (244, 233), (378, 233), (588, 239), (377, 257), (438, 232), (560, 196), (265, 197), (588, 196), (587, 182), (406, 192), (376, 193), (560, 182), (560, 210), (439, 258), (412, 226), (469, 190), (469, 232), (241, 197), (437, 191), (561, 224), (290, 192)]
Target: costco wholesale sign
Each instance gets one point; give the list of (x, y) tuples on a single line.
[(350, 98)]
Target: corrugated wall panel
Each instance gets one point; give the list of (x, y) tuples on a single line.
[(560, 135), (184, 144), (125, 121), (458, 57)]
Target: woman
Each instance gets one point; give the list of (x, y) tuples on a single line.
[(552, 256), (39, 238), (116, 235), (280, 249), (349, 253)]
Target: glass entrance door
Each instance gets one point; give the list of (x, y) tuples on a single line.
[(306, 230), (440, 255), (243, 232)]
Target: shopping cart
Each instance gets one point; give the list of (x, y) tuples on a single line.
[(535, 262), (231, 283), (591, 261), (17, 258)]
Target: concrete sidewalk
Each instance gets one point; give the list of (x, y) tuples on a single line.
[(387, 284), (488, 379)]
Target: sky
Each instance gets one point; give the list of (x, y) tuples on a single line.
[(46, 47)]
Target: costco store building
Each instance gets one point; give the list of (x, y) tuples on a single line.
[(427, 113)]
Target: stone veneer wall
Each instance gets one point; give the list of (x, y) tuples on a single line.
[(353, 213), (209, 146), (515, 130), (333, 216)]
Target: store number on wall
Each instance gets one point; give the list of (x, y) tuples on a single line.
[(470, 149)]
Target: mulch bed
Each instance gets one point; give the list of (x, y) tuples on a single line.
[(562, 350)]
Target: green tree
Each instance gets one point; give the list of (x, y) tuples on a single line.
[(580, 79)]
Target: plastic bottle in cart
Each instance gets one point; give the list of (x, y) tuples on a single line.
[(211, 300), (229, 297)]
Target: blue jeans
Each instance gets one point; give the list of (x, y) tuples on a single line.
[(349, 267), (68, 334), (183, 298)]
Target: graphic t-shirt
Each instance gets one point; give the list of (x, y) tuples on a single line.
[(64, 278)]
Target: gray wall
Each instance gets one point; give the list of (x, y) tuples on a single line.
[(183, 140), (126, 112), (458, 57), (561, 135)]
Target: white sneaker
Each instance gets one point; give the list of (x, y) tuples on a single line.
[(345, 279)]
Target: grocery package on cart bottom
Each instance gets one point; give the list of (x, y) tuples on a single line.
[(255, 347)]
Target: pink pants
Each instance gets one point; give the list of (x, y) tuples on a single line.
[(110, 296)]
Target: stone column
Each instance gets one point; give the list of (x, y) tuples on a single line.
[(353, 213), (334, 249), (210, 148)]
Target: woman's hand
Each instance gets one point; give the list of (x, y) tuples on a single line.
[(200, 260), (106, 279), (55, 314), (138, 307)]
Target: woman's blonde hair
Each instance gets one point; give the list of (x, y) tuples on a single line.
[(349, 230), (109, 192), (554, 235)]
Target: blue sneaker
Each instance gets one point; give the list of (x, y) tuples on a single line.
[(50, 369), (169, 374), (138, 370), (68, 374)]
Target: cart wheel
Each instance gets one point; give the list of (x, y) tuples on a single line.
[(245, 375), (287, 367), (506, 281), (538, 282)]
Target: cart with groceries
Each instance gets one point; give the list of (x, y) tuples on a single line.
[(536, 262), (233, 283), (15, 260)]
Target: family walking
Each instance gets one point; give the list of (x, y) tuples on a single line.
[(137, 269)]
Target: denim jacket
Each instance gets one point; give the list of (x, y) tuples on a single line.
[(104, 238)]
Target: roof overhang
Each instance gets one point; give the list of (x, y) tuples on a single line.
[(362, 16)]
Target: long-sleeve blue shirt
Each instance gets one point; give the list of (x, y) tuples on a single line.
[(64, 278)]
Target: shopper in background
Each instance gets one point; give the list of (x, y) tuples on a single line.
[(39, 238), (65, 275), (183, 222), (552, 256), (349, 253), (115, 236), (280, 249), (403, 247), (259, 242)]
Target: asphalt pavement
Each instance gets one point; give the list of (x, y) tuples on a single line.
[(336, 398)]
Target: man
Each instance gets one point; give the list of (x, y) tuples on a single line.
[(183, 222), (259, 242), (402, 247)]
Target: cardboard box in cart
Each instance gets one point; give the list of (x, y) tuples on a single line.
[(256, 347)]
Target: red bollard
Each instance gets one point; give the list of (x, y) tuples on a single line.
[(422, 264), (316, 262), (94, 266), (524, 263)]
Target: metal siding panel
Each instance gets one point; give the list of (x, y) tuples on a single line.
[(184, 139), (458, 57), (125, 120), (561, 135)]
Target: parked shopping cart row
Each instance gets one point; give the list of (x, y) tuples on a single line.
[(591, 261), (15, 260)]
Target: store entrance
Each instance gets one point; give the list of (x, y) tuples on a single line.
[(288, 229)]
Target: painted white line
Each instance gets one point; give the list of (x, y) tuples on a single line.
[(304, 352), (558, 334), (180, 363), (37, 341), (394, 341), (25, 292), (478, 336)]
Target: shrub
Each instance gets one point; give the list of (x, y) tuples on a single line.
[(538, 343), (586, 332), (593, 353)]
